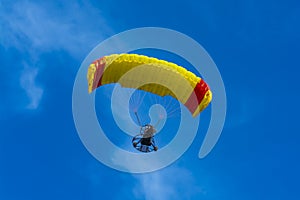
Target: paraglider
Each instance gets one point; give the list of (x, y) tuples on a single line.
[(151, 75), (144, 141)]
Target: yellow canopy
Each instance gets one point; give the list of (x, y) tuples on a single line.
[(153, 75)]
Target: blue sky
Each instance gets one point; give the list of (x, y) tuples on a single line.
[(255, 45)]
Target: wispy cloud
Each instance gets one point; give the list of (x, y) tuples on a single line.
[(32, 89), (171, 183), (33, 29), (44, 26)]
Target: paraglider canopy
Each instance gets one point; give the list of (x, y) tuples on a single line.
[(152, 75)]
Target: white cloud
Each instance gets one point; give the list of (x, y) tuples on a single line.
[(33, 91), (170, 183), (38, 28)]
